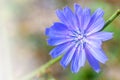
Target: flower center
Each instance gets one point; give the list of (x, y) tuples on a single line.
[(80, 38)]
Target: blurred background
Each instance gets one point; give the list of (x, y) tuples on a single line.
[(23, 46)]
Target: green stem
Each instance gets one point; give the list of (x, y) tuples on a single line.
[(117, 13), (43, 68)]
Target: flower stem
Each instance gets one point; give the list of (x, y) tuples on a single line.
[(43, 68), (117, 13)]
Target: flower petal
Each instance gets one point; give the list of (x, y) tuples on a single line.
[(68, 56), (98, 54), (62, 17), (68, 18), (77, 7), (95, 17), (79, 59), (92, 61), (57, 30), (60, 49), (101, 36), (86, 17), (94, 42), (79, 13), (97, 14), (96, 26), (71, 18), (58, 41)]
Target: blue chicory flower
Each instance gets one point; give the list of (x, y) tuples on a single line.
[(78, 37)]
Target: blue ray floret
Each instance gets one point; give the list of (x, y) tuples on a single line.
[(78, 37)]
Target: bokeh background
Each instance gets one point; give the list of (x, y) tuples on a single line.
[(22, 33)]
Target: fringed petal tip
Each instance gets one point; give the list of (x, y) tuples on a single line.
[(98, 70), (47, 31), (77, 6), (63, 65), (99, 12)]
